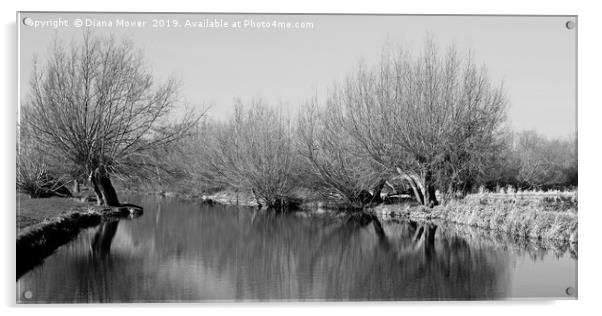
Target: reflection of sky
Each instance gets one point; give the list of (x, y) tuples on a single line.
[(180, 251), (535, 56), (532, 279)]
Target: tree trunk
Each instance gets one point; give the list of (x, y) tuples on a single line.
[(414, 185), (430, 198), (93, 181), (103, 188), (376, 198), (75, 186), (424, 190)]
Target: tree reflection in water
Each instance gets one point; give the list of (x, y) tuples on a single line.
[(103, 237), (409, 263), (191, 254)]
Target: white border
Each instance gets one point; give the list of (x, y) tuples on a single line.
[(589, 155)]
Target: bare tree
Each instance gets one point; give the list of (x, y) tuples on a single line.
[(545, 163), (434, 119), (334, 164), (254, 150), (97, 106)]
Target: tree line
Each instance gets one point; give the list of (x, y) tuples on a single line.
[(413, 124)]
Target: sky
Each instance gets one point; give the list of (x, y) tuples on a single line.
[(534, 56)]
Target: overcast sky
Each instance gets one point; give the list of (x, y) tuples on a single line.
[(534, 56)]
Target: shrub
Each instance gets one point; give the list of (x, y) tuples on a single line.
[(34, 179)]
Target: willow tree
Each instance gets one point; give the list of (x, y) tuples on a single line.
[(434, 119), (94, 104), (254, 151), (334, 165)]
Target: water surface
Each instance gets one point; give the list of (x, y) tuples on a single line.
[(183, 251)]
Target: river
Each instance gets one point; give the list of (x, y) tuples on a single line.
[(182, 251)]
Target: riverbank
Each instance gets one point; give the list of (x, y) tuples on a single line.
[(47, 223), (537, 219), (229, 197), (34, 211), (548, 217)]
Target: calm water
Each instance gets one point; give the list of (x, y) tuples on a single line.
[(182, 251)]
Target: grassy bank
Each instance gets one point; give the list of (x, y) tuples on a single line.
[(549, 218), (45, 224), (34, 211)]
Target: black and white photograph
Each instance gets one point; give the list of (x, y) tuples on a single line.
[(284, 157)]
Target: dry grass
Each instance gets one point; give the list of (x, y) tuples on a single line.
[(544, 217)]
